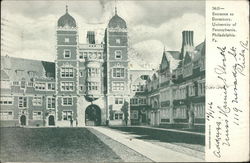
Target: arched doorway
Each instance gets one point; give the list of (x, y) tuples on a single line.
[(23, 120), (51, 120), (93, 115)]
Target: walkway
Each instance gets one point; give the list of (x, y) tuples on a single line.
[(151, 151), (174, 130)]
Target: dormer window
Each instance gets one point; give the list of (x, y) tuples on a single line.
[(66, 40), (67, 54)]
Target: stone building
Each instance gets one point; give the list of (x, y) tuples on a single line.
[(88, 84), (176, 91)]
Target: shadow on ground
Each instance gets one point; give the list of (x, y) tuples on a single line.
[(183, 139)]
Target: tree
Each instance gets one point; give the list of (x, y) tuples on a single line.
[(125, 110)]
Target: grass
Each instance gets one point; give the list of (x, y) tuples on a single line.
[(53, 145)]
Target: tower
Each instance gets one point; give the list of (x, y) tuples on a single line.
[(116, 69), (66, 70)]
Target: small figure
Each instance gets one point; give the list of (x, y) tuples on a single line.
[(71, 122), (76, 122)]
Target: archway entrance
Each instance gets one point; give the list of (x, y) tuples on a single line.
[(23, 120), (93, 115), (51, 120)]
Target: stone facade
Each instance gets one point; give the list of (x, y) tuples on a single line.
[(92, 84)]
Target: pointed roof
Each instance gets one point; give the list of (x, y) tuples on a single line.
[(116, 21), (13, 65), (66, 20), (171, 59)]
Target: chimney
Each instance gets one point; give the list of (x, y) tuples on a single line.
[(187, 43), (91, 37)]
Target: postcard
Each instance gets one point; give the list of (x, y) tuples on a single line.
[(124, 81)]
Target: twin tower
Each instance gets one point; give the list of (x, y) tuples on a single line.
[(92, 80)]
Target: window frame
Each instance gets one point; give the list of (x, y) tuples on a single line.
[(68, 102), (51, 101), (35, 101), (67, 84), (22, 102), (118, 53), (64, 53), (114, 72), (115, 85)]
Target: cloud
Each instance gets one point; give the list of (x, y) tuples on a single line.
[(150, 51), (152, 25)]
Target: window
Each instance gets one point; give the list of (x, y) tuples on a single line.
[(201, 88), (16, 83), (6, 100), (31, 73), (37, 115), (22, 102), (199, 110), (117, 41), (118, 86), (67, 101), (67, 72), (93, 71), (118, 116), (180, 112), (81, 87), (118, 54), (6, 115), (37, 101), (182, 93), (30, 84), (51, 103), (81, 56), (92, 85), (138, 88), (142, 101), (67, 115), (51, 86), (67, 54), (118, 100), (67, 86), (81, 73), (23, 84), (40, 86), (118, 72), (134, 114), (134, 101), (66, 39), (191, 90)]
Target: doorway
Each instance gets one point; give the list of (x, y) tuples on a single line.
[(51, 120), (23, 120), (93, 115)]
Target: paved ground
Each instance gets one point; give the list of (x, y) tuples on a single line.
[(193, 141), (153, 151), (53, 144), (126, 154)]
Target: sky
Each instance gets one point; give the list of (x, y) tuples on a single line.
[(28, 28)]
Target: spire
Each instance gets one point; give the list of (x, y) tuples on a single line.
[(115, 7), (66, 8)]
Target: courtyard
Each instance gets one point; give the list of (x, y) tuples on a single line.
[(53, 144)]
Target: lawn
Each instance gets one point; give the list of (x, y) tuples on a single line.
[(53, 145)]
